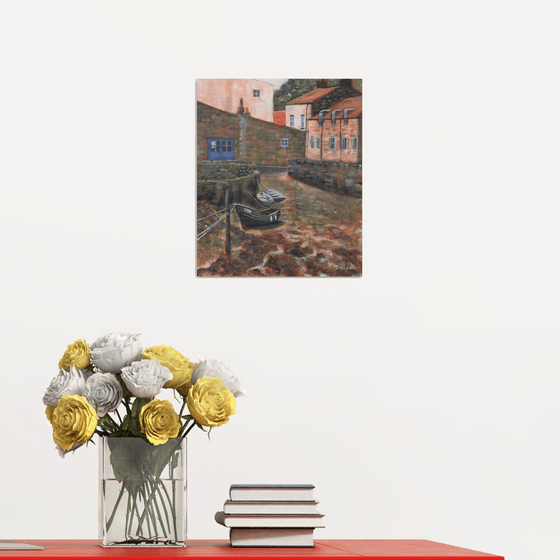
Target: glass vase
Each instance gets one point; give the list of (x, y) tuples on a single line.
[(142, 492)]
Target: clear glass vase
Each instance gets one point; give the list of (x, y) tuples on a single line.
[(142, 492)]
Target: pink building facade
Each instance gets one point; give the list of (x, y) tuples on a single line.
[(225, 94)]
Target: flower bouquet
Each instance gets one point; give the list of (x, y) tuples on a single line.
[(108, 388)]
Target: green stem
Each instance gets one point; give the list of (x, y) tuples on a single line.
[(128, 521), (140, 526), (183, 406), (157, 484), (188, 430), (148, 509), (144, 512), (118, 416)]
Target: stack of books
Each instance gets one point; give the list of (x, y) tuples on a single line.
[(279, 515)]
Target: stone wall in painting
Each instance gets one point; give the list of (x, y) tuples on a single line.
[(344, 178)]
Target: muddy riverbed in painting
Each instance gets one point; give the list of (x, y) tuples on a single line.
[(320, 234)]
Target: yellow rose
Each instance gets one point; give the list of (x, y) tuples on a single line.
[(49, 412), (174, 361), (77, 354), (159, 421), (73, 420), (210, 403)]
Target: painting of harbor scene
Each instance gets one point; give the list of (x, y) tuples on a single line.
[(279, 177)]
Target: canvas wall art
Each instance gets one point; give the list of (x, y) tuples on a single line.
[(279, 177)]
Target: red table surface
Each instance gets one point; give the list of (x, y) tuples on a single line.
[(220, 550)]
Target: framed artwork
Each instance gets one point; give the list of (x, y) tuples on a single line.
[(279, 177)]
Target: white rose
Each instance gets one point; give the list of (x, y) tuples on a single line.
[(68, 382), (215, 368), (103, 392), (145, 379), (112, 352)]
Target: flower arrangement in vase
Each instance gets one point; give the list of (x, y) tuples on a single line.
[(108, 388)]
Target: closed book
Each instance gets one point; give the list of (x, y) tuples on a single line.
[(14, 545), (249, 508), (248, 537), (291, 521), (272, 492)]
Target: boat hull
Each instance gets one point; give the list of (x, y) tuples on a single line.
[(251, 217)]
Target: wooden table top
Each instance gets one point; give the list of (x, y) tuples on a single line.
[(220, 550)]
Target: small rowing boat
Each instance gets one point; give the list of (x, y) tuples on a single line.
[(251, 217), (265, 199), (275, 195)]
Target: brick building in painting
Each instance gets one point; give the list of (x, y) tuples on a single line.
[(335, 133), (223, 136), (257, 96), (300, 110)]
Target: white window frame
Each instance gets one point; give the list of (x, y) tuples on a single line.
[(312, 142), (332, 142), (284, 142), (292, 120), (302, 122), (344, 143), (257, 93), (354, 143)]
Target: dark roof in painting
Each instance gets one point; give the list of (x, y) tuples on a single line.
[(350, 103), (354, 103), (311, 96)]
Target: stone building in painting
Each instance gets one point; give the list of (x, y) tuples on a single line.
[(224, 136), (225, 94)]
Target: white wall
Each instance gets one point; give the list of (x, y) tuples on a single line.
[(422, 399)]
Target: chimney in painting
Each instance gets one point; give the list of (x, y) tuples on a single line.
[(321, 83), (345, 82), (240, 109)]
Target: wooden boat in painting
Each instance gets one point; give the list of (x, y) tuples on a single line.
[(265, 199), (251, 217), (275, 195)]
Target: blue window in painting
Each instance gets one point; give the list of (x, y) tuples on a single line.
[(256, 93), (332, 143), (321, 117), (312, 143), (346, 113), (354, 143), (220, 149), (292, 120), (344, 143), (283, 142), (302, 122), (333, 116)]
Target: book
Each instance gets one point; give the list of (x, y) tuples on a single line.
[(259, 521), (13, 545), (271, 492), (252, 537), (249, 508)]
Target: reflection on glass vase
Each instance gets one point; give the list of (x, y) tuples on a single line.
[(142, 492)]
